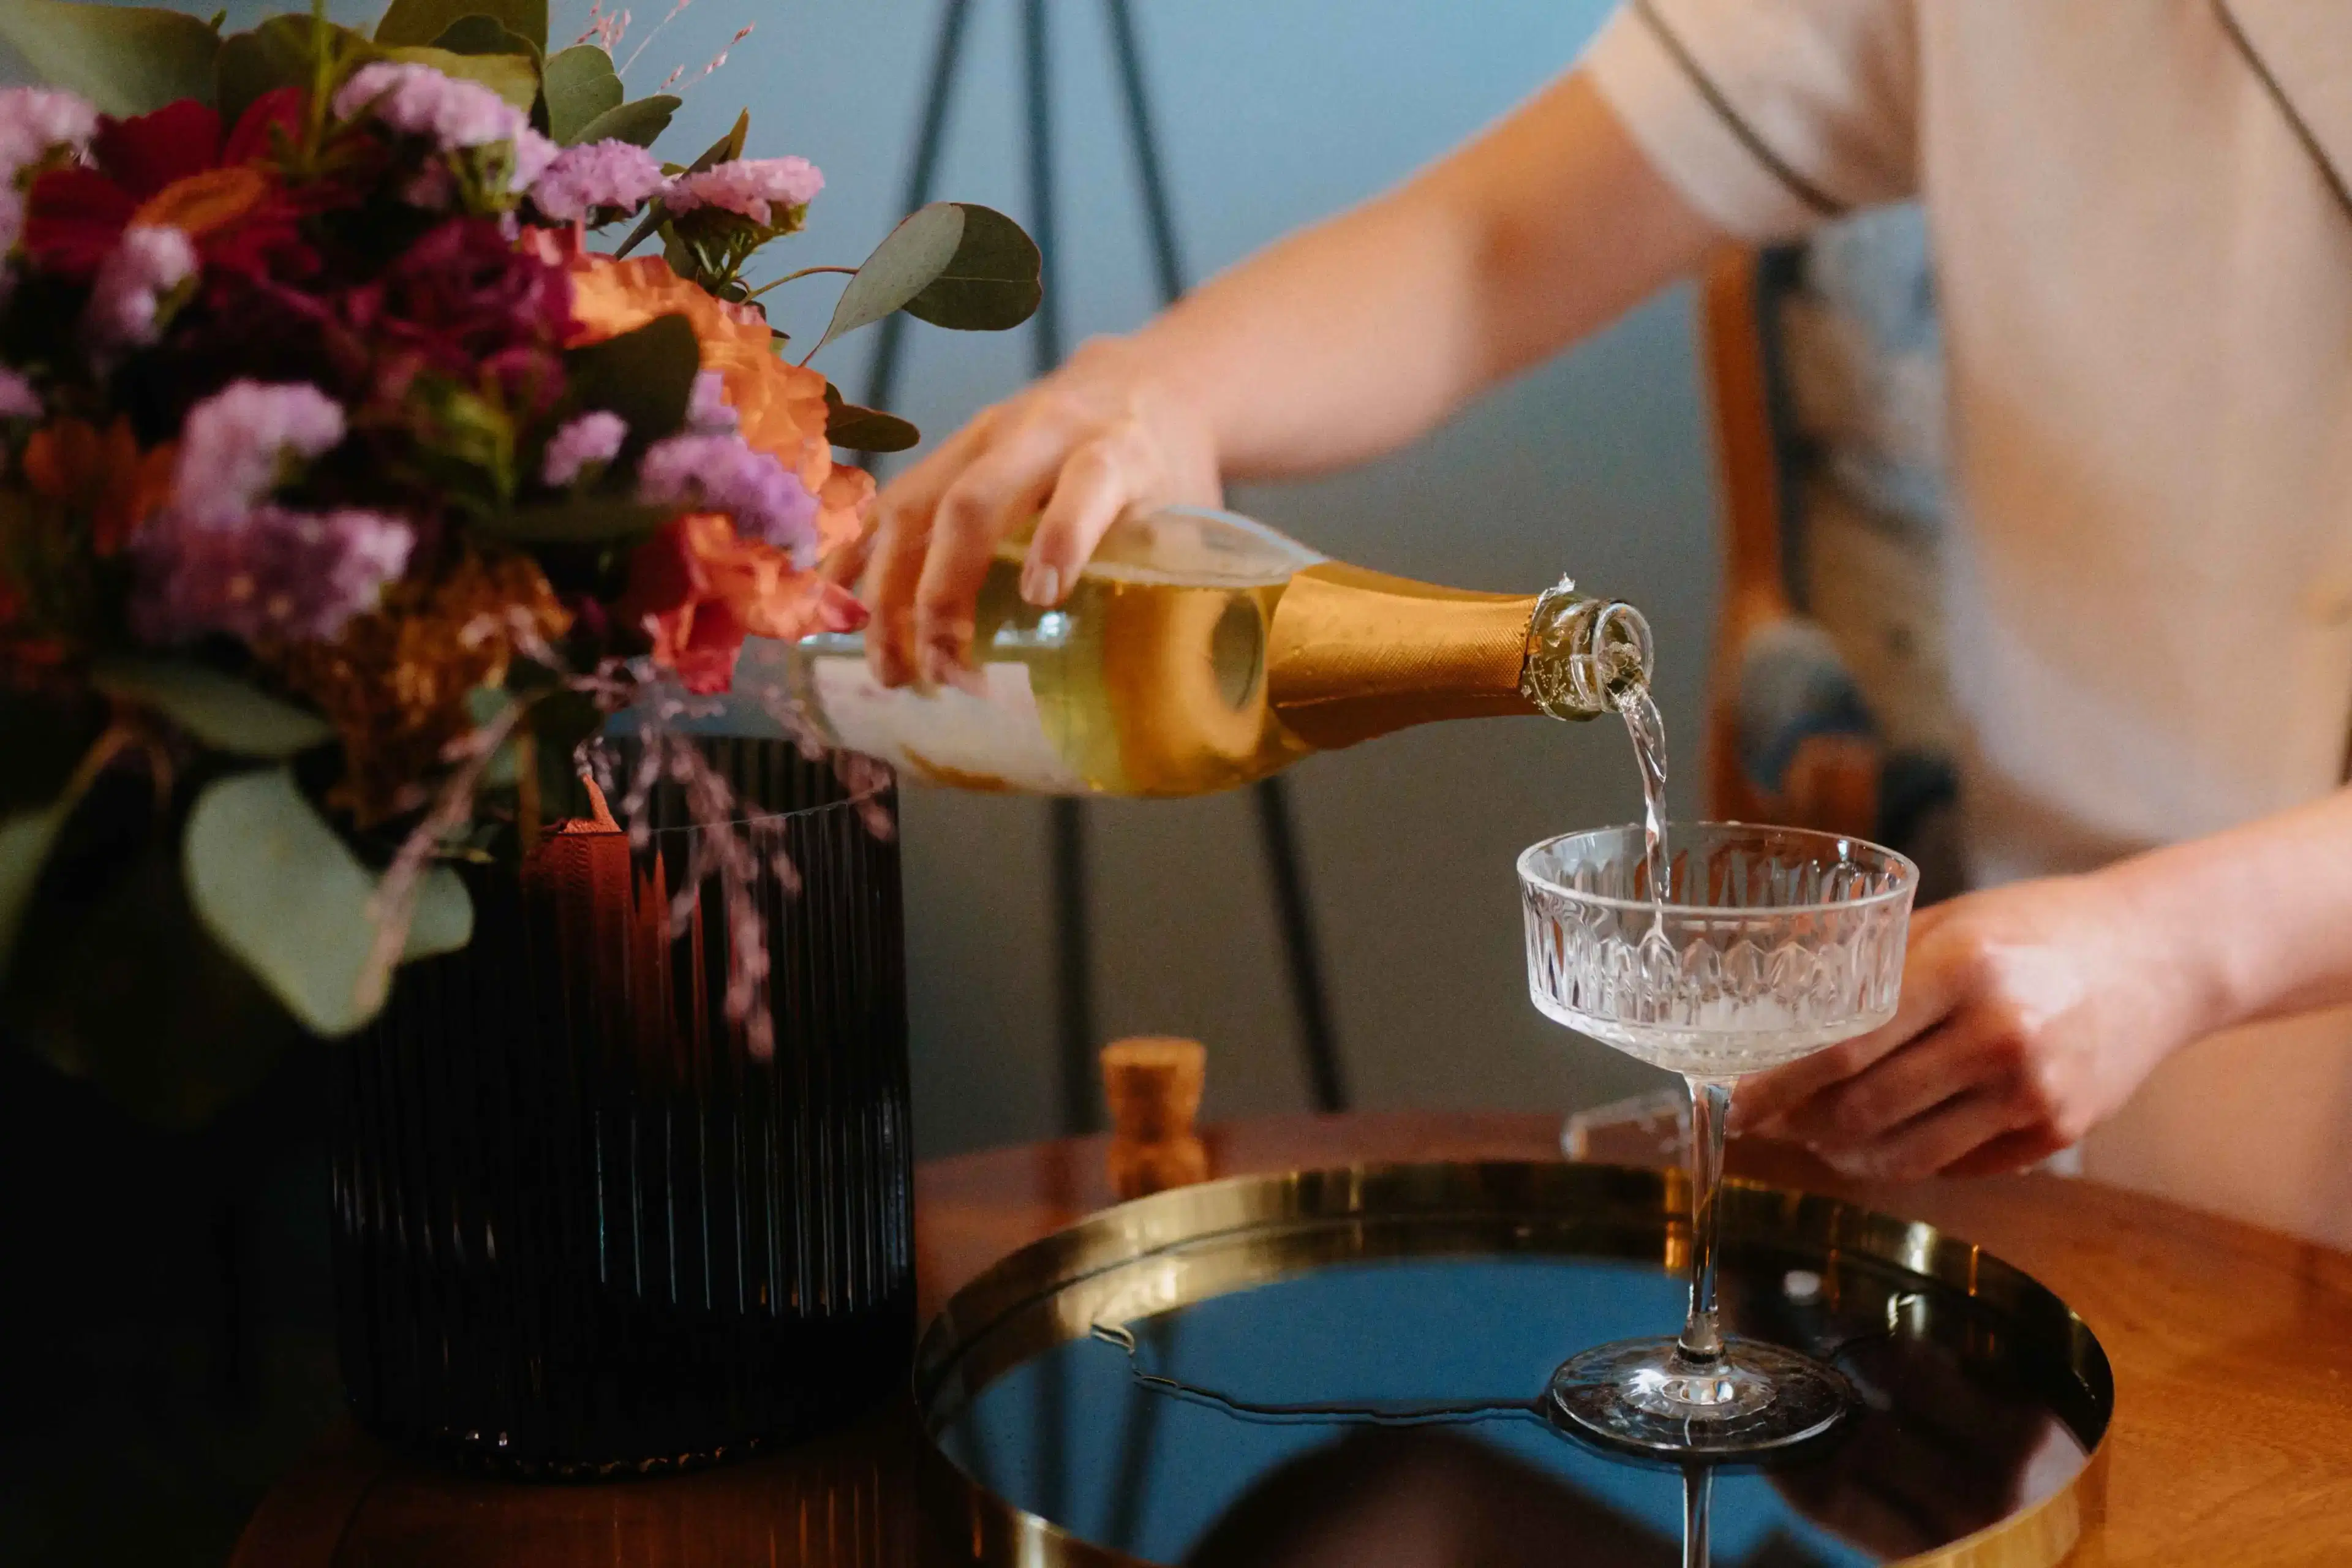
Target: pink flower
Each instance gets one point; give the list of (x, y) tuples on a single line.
[(533, 156), (17, 398), (754, 187), (600, 178), (235, 446), (594, 437), (457, 115), (418, 100), (152, 260), (34, 120), (275, 574)]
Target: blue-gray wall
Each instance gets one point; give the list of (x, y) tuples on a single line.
[(1272, 112)]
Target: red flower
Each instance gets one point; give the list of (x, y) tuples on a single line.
[(173, 167), (698, 591)]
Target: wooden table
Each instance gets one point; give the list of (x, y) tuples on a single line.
[(2232, 1349)]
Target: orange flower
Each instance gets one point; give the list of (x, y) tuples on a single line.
[(198, 204), (394, 681), (779, 405), (697, 589), (106, 477)]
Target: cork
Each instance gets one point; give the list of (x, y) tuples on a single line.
[(1153, 1084)]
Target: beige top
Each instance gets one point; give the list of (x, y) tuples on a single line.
[(2143, 251)]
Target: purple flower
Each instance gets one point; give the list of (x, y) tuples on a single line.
[(707, 412), (235, 444), (33, 119), (152, 260), (721, 473), (753, 187), (421, 102), (594, 437), (276, 574), (17, 398), (534, 154), (600, 177)]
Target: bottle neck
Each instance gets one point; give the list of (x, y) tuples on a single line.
[(1352, 654)]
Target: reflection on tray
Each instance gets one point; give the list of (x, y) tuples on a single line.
[(1317, 1419)]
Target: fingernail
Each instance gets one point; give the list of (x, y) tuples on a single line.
[(1041, 584)]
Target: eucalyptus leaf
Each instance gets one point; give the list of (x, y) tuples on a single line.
[(412, 22), (443, 920), (646, 376), (514, 78), (219, 709), (278, 890), (638, 121), (868, 429), (580, 85), (911, 258), (127, 59), (276, 54), (26, 838), (991, 284), (481, 35)]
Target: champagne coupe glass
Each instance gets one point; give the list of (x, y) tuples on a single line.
[(1762, 945)]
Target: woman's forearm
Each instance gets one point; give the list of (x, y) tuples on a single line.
[(1352, 337), (2260, 915)]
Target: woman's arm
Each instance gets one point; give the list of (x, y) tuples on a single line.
[(1335, 344), (2031, 1012)]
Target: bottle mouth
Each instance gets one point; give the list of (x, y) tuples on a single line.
[(1584, 654)]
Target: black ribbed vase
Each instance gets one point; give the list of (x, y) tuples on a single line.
[(580, 1228)]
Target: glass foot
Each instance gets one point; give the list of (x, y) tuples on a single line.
[(1642, 1394)]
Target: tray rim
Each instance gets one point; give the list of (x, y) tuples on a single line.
[(1623, 1198)]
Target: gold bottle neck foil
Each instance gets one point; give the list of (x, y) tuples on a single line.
[(1352, 654)]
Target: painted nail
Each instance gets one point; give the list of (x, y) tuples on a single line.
[(1041, 584)]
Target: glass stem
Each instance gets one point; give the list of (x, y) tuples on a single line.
[(1698, 1495), (1701, 1342)]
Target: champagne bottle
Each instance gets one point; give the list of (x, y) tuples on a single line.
[(1200, 650)]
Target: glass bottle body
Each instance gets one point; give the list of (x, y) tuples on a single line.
[(1199, 651)]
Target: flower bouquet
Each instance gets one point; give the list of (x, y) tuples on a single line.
[(346, 492)]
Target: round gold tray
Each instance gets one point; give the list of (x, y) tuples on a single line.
[(1348, 1366)]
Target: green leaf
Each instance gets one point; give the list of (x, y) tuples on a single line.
[(219, 709), (991, 284), (412, 22), (127, 59), (580, 85), (481, 35), (867, 429), (25, 837), (514, 78), (911, 258), (727, 147), (584, 521), (277, 54), (638, 121), (646, 376), (443, 920), (276, 887)]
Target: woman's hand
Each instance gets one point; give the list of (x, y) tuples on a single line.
[(2029, 1015), (1101, 434)]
